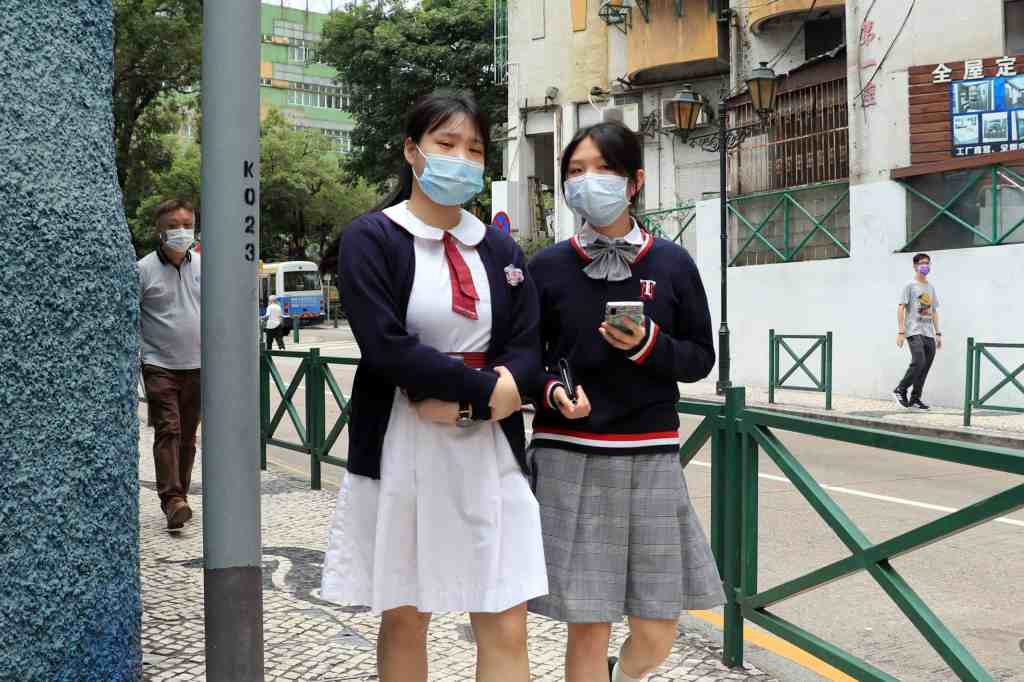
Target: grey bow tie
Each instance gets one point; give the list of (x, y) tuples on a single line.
[(610, 260)]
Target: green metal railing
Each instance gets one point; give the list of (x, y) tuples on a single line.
[(655, 221), (992, 175), (737, 434), (786, 203), (973, 398), (315, 378), (822, 381)]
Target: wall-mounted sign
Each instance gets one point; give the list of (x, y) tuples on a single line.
[(502, 221), (968, 108)]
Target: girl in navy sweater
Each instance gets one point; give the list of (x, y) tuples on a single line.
[(436, 513), (620, 535)]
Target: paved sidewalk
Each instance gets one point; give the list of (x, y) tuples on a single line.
[(311, 640), (992, 424)]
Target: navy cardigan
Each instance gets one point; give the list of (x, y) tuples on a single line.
[(376, 262)]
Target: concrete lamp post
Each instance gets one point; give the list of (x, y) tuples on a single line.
[(684, 111)]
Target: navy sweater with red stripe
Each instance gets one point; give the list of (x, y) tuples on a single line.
[(632, 394)]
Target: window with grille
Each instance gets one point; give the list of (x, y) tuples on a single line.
[(320, 96), (789, 185), (806, 141)]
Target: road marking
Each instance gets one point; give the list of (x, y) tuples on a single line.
[(874, 496), (779, 647)]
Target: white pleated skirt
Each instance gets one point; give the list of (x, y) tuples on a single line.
[(451, 526)]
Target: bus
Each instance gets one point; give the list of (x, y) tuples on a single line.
[(297, 287)]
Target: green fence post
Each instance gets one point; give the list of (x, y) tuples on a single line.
[(295, 330), (264, 406), (718, 494), (773, 370), (314, 415), (735, 399), (748, 552), (828, 371), (969, 383)]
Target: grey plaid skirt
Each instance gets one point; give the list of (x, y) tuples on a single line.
[(621, 538)]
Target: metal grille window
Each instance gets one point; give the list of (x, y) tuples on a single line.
[(791, 197), (807, 141), (319, 96), (340, 139), (500, 41), (292, 30), (302, 54)]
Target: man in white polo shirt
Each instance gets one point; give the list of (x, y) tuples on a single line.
[(169, 303)]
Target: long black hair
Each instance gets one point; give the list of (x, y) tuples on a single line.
[(428, 114), (620, 147)]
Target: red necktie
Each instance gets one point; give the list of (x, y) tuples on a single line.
[(464, 296)]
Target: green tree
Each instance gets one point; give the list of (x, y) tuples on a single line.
[(179, 179), (157, 57), (306, 196), (391, 54)]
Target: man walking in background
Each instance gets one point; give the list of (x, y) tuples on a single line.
[(274, 324), (169, 293), (918, 318)]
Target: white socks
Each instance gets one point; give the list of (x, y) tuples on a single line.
[(619, 676)]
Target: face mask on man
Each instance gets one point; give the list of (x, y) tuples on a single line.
[(450, 180), (924, 268), (178, 239), (597, 198)]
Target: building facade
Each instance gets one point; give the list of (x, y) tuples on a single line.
[(899, 128), (307, 93)]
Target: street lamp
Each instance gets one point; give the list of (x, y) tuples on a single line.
[(683, 111)]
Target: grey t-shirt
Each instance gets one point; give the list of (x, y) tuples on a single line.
[(921, 301), (169, 305)]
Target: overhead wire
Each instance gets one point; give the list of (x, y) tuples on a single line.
[(888, 50)]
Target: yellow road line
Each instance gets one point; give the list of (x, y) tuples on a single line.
[(780, 647)]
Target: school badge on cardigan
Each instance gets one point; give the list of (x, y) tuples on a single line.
[(514, 276), (647, 287)]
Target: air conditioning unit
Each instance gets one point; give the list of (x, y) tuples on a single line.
[(627, 114)]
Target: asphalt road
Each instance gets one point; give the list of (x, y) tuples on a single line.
[(971, 581)]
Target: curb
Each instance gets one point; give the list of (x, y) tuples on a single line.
[(974, 437), (971, 435), (769, 662)]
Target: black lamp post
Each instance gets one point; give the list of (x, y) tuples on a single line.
[(684, 110)]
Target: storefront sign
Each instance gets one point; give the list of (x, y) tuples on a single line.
[(977, 105)]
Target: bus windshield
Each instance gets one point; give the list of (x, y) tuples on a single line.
[(301, 281)]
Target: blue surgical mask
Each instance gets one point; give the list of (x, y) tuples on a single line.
[(450, 180), (179, 239), (599, 198)]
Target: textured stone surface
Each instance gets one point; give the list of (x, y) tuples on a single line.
[(308, 639), (69, 588)]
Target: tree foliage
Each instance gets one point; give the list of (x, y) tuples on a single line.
[(391, 54), (306, 197), (157, 57)]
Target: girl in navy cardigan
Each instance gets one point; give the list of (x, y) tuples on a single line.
[(436, 514), (620, 534)]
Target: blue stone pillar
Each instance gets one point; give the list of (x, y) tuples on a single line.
[(69, 519)]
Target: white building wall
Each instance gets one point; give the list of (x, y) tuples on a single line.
[(856, 297)]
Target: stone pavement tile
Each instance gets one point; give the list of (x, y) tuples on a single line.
[(310, 640)]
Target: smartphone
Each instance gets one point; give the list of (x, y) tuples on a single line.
[(616, 312)]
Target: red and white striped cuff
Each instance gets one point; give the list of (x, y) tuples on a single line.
[(549, 391), (648, 347)]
